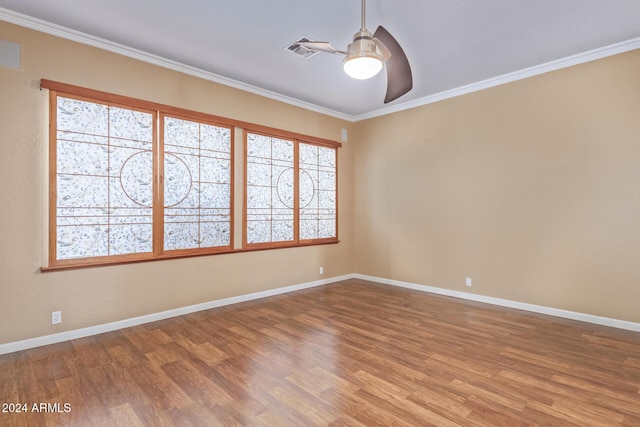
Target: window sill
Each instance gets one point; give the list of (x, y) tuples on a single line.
[(90, 264)]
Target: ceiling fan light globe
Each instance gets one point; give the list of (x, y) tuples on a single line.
[(362, 67)]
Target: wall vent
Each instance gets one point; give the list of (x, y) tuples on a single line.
[(9, 54), (301, 50)]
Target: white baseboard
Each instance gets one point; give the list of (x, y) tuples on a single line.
[(598, 320), (121, 324)]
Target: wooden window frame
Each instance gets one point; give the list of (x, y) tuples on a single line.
[(160, 223), (158, 112), (297, 140), (161, 110)]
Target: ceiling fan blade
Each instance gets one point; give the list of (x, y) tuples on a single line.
[(399, 77), (322, 47)]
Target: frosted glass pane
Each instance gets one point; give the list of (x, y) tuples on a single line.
[(258, 231), (327, 181), (131, 239), (317, 192), (215, 196), (327, 157), (327, 200), (308, 154), (130, 125), (82, 117), (308, 229), (259, 197), (216, 138), (104, 187), (197, 185), (81, 158), (181, 235), (259, 175), (215, 170), (307, 187), (327, 228), (82, 241), (216, 234), (82, 191), (258, 146), (270, 189), (282, 230), (282, 149), (181, 133)]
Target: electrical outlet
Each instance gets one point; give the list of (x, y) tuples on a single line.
[(468, 283), (56, 317), (321, 270)]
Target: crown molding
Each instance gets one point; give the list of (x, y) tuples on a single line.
[(87, 39), (536, 70)]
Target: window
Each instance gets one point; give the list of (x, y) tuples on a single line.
[(197, 185), (318, 192), (104, 180), (133, 183), (132, 180), (291, 193)]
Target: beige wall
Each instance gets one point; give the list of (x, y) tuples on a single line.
[(532, 189), (95, 296)]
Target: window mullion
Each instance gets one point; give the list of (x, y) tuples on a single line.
[(53, 176), (296, 192), (158, 183), (109, 145)]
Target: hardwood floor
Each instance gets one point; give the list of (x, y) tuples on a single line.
[(353, 353)]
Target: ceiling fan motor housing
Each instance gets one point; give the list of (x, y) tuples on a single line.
[(363, 45)]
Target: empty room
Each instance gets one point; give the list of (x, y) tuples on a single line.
[(296, 213)]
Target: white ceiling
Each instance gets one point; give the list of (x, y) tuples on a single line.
[(450, 43)]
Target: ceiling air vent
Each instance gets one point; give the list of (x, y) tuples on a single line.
[(300, 50)]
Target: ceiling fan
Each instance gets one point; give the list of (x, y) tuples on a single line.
[(366, 55)]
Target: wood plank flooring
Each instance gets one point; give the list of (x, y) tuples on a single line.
[(353, 353)]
